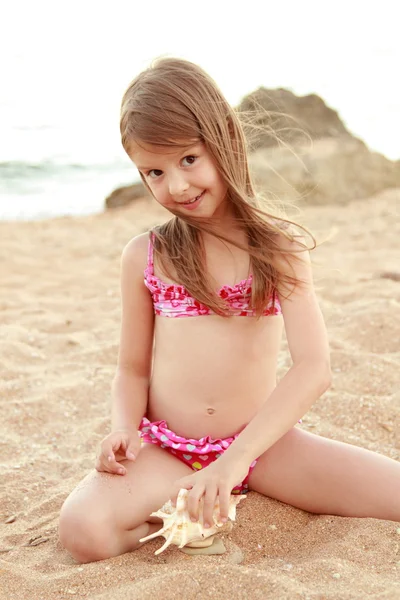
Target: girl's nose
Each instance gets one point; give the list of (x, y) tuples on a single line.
[(177, 185)]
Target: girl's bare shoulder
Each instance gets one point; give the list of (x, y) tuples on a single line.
[(288, 236), (281, 225), (137, 245)]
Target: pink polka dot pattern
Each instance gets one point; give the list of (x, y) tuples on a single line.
[(195, 453)]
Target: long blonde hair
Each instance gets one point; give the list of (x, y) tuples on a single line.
[(175, 101)]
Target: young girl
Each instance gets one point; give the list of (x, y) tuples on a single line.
[(205, 296)]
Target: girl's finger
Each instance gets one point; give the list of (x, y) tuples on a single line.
[(193, 501), (210, 497), (102, 467), (119, 469), (179, 485), (223, 497), (107, 451), (114, 467)]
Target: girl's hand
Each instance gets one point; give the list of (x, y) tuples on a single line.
[(119, 445), (216, 480)]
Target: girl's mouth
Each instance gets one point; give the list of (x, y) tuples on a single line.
[(193, 203)]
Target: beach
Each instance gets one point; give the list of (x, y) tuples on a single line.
[(59, 321)]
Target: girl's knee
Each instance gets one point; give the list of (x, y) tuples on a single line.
[(86, 534)]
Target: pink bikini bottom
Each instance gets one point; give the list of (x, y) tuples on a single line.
[(195, 453)]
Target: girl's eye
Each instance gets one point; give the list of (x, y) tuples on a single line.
[(153, 171), (190, 156)]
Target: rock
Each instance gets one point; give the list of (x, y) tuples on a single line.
[(295, 119), (318, 160), (217, 547), (384, 275), (125, 195), (328, 171)]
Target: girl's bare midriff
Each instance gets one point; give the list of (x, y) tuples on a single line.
[(212, 374)]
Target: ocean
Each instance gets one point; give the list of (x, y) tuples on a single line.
[(52, 170), (63, 79)]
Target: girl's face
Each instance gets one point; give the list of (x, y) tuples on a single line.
[(185, 179)]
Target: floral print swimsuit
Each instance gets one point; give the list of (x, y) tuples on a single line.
[(171, 300)]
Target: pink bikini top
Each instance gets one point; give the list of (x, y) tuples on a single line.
[(171, 300)]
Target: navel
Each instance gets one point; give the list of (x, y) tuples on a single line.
[(211, 411)]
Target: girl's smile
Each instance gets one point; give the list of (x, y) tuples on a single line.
[(193, 204)]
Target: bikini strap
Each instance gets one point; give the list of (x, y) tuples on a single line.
[(150, 253)]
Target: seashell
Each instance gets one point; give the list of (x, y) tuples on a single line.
[(179, 530)]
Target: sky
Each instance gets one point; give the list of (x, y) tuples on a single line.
[(84, 54)]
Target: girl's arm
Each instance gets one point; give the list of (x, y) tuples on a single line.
[(307, 379), (131, 382)]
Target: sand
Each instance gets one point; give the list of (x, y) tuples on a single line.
[(59, 317)]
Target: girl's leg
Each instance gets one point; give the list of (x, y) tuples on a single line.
[(106, 515), (324, 476)]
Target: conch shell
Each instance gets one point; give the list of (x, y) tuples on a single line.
[(178, 529)]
